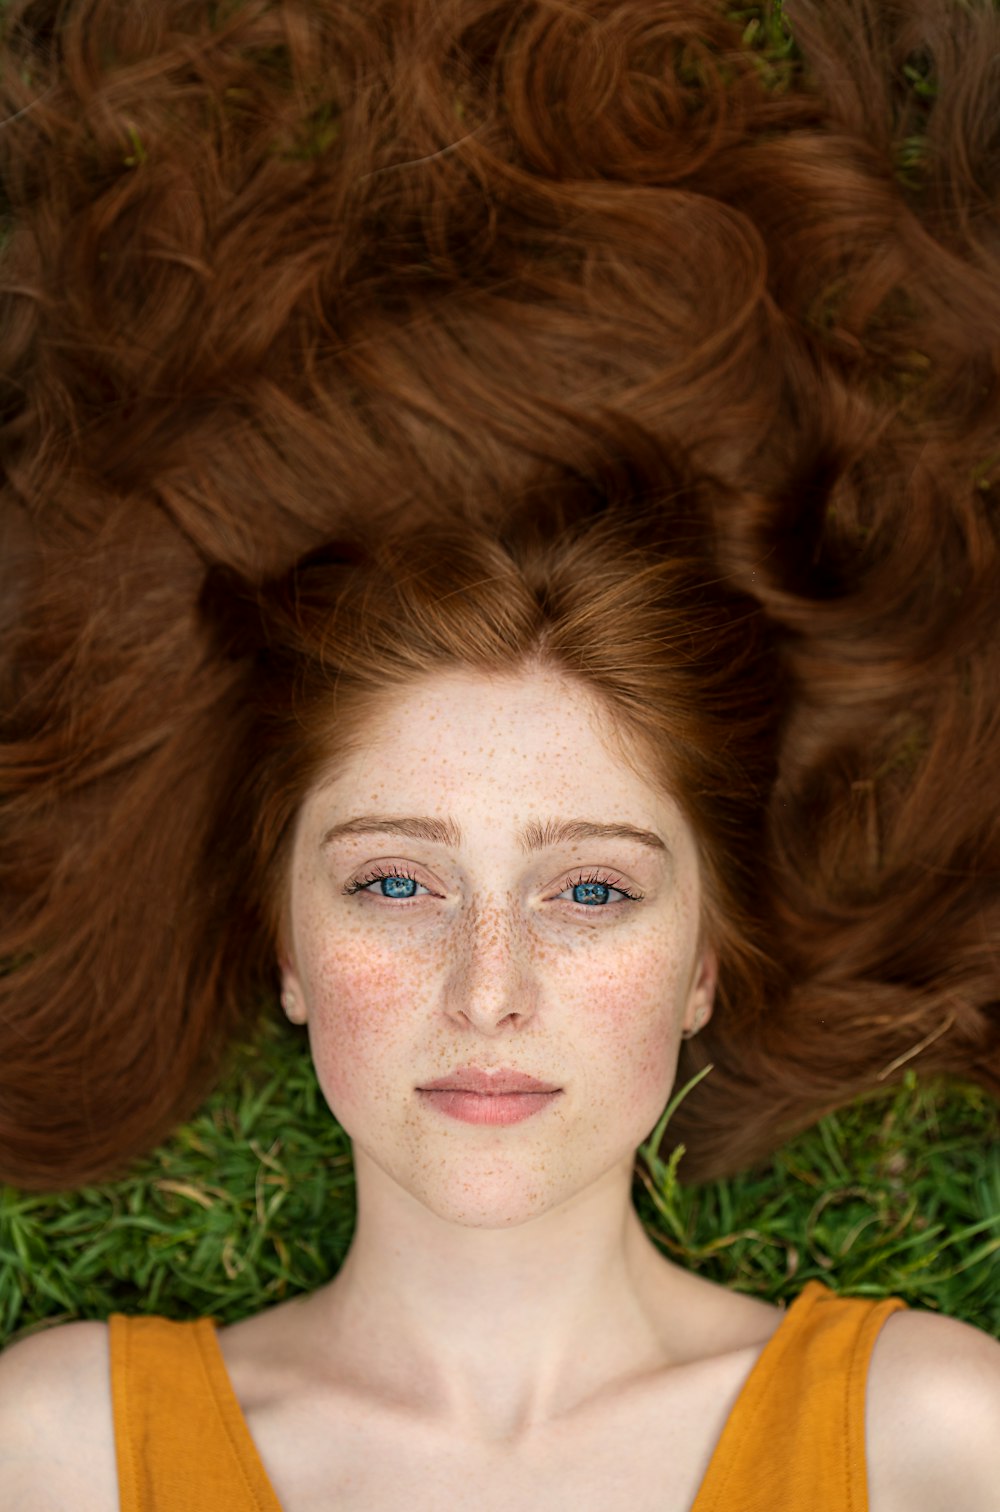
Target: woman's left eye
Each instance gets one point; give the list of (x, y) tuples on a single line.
[(589, 892), (593, 891)]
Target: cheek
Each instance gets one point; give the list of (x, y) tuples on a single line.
[(634, 1022), (358, 1002)]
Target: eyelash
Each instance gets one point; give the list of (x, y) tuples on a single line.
[(615, 883)]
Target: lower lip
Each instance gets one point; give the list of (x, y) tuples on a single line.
[(490, 1107)]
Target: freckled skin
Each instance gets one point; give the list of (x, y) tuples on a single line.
[(493, 962)]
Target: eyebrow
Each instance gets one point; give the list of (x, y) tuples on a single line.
[(533, 837)]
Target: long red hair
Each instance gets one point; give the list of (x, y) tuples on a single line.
[(643, 320)]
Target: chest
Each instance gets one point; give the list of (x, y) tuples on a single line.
[(646, 1451)]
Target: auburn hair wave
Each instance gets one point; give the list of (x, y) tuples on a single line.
[(341, 343)]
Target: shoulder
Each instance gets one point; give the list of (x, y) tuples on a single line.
[(932, 1416), (57, 1445)]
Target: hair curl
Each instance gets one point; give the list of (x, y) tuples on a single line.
[(276, 271)]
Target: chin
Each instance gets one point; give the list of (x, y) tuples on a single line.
[(498, 1216), (482, 1205)]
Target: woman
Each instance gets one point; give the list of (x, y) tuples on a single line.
[(731, 657), (494, 798)]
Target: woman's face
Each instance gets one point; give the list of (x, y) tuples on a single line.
[(494, 944)]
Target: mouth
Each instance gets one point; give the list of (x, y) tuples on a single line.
[(499, 1081), (488, 1107)]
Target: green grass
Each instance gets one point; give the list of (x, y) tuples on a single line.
[(252, 1201)]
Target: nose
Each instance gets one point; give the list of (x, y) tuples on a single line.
[(490, 983)]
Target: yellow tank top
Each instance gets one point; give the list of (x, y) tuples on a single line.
[(793, 1442)]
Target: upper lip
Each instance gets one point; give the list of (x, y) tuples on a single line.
[(499, 1079)]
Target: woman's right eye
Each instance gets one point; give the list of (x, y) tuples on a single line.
[(400, 884)]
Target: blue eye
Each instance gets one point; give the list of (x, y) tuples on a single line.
[(401, 884), (593, 891)]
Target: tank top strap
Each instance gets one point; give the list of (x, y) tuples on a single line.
[(795, 1439), (181, 1440)]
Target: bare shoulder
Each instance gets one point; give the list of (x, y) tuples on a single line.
[(57, 1447), (933, 1416)]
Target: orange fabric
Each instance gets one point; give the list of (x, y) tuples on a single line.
[(181, 1440), (794, 1441)]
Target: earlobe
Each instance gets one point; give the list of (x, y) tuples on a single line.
[(702, 996), (294, 1009), (292, 997)]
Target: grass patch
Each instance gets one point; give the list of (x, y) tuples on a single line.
[(253, 1201)]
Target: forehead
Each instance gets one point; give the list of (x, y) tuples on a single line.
[(496, 750)]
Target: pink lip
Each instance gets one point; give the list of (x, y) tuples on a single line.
[(493, 1083), (488, 1107)]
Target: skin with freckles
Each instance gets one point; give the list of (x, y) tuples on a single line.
[(499, 1281), (482, 954)]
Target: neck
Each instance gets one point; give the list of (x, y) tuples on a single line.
[(492, 1332)]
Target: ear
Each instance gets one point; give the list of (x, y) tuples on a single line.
[(293, 998), (701, 995)]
